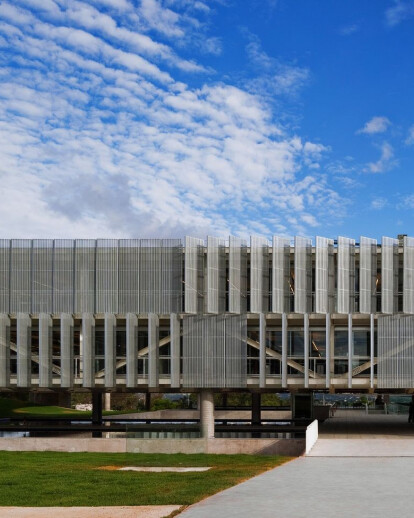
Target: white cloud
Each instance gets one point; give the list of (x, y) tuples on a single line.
[(385, 162), (410, 139), (400, 11), (102, 140), (375, 125), (379, 203), (347, 30), (274, 77)]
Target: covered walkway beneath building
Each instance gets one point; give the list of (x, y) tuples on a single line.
[(353, 433)]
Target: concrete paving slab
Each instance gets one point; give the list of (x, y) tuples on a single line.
[(389, 447), (319, 487), (143, 511)]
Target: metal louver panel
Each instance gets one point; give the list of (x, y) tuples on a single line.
[(45, 350), (216, 275), (129, 275), (346, 275), (24, 357), (389, 275), (66, 350), (367, 275), (4, 351), (131, 350), (5, 275), (259, 275), (149, 275), (280, 274), (214, 351), (85, 275), (106, 276), (262, 351), (175, 350), (194, 268), (237, 275), (63, 276), (110, 350), (303, 275), (42, 275), (236, 351), (324, 275), (88, 350), (170, 300), (160, 283), (396, 351), (408, 275), (153, 350), (20, 276)]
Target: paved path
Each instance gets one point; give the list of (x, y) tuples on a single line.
[(319, 487), (360, 466)]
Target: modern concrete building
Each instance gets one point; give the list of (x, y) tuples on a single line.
[(162, 315)]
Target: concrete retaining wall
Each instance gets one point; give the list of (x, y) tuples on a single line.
[(290, 447), (311, 435)]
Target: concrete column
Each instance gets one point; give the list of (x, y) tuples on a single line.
[(372, 344), (131, 350), (110, 355), (262, 351), (175, 350), (350, 350), (96, 412), (306, 347), (153, 350), (328, 350), (207, 414), (66, 350), (24, 355), (45, 350), (284, 349), (107, 401), (4, 351), (88, 342)]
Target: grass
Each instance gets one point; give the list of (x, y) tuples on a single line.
[(73, 479), (22, 409)]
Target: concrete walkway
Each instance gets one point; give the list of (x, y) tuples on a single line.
[(319, 487), (352, 433), (360, 466)]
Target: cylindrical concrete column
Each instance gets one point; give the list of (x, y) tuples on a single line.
[(207, 414), (107, 401)]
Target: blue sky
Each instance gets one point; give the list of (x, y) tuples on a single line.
[(160, 118)]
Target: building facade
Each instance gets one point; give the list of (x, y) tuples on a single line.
[(167, 315)]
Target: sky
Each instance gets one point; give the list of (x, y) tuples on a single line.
[(165, 118)]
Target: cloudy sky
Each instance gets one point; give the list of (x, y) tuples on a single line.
[(160, 118)]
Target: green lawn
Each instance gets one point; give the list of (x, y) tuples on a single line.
[(17, 408), (72, 479)]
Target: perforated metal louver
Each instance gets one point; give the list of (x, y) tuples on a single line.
[(367, 275), (237, 275), (389, 275), (324, 275), (280, 274), (259, 275)]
